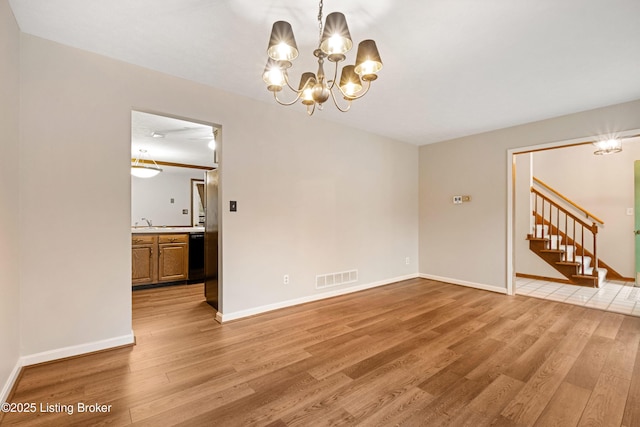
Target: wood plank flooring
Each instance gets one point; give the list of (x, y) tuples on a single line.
[(417, 352)]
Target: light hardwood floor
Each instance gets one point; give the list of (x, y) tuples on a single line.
[(416, 352)]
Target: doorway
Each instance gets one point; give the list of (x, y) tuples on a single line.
[(620, 213), (169, 215)]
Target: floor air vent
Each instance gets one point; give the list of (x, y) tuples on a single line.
[(335, 279)]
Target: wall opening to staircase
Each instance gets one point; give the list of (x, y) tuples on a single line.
[(603, 189)]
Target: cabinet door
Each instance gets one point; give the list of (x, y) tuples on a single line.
[(173, 262), (142, 264)]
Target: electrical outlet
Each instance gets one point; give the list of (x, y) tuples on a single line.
[(457, 200), (407, 261), (286, 279)]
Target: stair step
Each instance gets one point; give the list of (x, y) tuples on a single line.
[(586, 260), (602, 274), (573, 264), (555, 241), (583, 276), (541, 230), (601, 271), (563, 249), (552, 251)]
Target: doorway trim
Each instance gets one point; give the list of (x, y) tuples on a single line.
[(511, 197)]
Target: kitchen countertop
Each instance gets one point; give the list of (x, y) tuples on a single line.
[(158, 230)]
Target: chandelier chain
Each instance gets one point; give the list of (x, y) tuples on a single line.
[(320, 5)]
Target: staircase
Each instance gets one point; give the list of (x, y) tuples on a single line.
[(563, 257), (565, 241)]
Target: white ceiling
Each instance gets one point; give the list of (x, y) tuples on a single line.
[(175, 140), (451, 67)]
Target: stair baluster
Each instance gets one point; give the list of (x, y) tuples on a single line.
[(569, 244)]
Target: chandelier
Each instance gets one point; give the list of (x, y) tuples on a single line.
[(608, 146), (334, 42)]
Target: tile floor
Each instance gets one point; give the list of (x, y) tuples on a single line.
[(619, 297)]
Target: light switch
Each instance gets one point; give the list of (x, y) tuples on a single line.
[(233, 206), (630, 211)]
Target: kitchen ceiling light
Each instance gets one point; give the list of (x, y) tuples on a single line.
[(608, 146), (334, 42), (143, 166), (212, 143)]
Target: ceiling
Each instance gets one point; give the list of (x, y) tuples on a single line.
[(451, 67), (168, 139)]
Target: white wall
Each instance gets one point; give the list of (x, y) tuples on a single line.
[(604, 186), (317, 198), (151, 197), (9, 195), (468, 242)]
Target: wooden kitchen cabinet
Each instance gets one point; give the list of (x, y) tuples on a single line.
[(159, 258), (144, 254), (173, 259)]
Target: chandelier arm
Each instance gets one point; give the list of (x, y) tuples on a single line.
[(275, 96), (286, 79), (335, 102), (335, 75), (351, 97)]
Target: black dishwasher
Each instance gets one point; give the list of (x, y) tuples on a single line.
[(196, 257)]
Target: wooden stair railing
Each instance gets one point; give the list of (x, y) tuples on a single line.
[(585, 212), (575, 232)]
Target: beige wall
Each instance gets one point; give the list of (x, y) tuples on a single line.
[(526, 261), (9, 195), (468, 242), (317, 199), (313, 197)]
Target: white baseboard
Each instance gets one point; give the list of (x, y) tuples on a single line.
[(464, 283), (76, 350), (226, 317), (8, 385), (61, 353)]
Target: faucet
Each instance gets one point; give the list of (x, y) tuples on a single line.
[(148, 221)]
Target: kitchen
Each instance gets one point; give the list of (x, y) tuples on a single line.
[(174, 174)]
